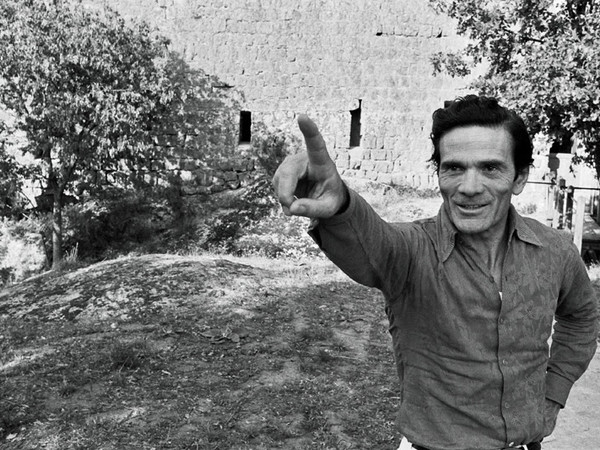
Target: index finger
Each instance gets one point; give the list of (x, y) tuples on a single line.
[(315, 144)]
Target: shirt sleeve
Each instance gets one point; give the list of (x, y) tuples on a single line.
[(368, 249), (575, 331)]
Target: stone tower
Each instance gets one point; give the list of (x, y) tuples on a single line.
[(361, 69)]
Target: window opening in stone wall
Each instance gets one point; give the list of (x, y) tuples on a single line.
[(355, 126), (245, 127)]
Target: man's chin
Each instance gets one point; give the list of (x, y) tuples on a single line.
[(470, 226)]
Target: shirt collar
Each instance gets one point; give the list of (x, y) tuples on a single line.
[(447, 232)]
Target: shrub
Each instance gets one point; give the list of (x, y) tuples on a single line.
[(277, 236), (221, 231), (128, 355), (120, 221), (271, 148), (226, 230)]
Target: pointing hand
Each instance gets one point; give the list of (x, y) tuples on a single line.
[(308, 184)]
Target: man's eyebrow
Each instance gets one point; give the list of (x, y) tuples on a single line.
[(451, 162), (484, 162), (493, 162)]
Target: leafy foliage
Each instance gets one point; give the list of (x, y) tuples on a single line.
[(118, 222), (231, 222), (12, 174), (256, 225), (541, 57), (10, 183), (101, 100)]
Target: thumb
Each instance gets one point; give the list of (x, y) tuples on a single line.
[(315, 144), (314, 208)]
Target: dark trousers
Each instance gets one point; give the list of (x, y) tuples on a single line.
[(532, 446)]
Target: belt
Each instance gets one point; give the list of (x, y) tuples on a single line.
[(531, 446)]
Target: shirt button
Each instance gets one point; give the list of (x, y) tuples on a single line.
[(506, 405), (505, 362), (501, 320)]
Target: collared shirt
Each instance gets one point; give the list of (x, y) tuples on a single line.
[(473, 364)]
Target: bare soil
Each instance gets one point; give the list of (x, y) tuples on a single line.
[(161, 352)]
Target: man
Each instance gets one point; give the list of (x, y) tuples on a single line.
[(471, 295)]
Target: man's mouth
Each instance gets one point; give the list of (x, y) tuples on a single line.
[(471, 207)]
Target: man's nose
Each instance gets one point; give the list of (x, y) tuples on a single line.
[(471, 183)]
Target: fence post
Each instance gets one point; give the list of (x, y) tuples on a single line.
[(569, 207), (579, 218), (550, 198)]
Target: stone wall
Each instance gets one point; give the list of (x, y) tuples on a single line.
[(198, 178), (325, 58)]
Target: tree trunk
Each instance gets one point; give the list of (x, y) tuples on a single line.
[(57, 249)]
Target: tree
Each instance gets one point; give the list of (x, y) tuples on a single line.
[(541, 57), (96, 95)]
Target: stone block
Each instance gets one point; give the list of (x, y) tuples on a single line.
[(369, 141), (355, 164), (385, 178), (383, 166), (354, 173), (378, 154), (342, 163), (368, 165), (356, 153), (397, 179)]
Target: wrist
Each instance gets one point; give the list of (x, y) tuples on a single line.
[(345, 201)]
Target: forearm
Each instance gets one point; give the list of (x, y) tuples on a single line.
[(573, 347), (360, 243), (575, 334)]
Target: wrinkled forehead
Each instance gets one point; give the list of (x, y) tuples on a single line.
[(477, 143)]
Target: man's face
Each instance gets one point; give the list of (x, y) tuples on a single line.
[(477, 178)]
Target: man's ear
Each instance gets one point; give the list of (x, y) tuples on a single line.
[(520, 181)]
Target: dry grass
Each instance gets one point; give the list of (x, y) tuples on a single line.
[(223, 354)]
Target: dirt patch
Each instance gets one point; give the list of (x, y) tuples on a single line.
[(163, 351)]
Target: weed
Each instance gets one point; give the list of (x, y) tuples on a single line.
[(128, 355), (325, 356)]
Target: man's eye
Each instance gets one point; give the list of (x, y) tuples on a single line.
[(491, 168)]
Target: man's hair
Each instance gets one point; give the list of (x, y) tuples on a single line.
[(483, 111)]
